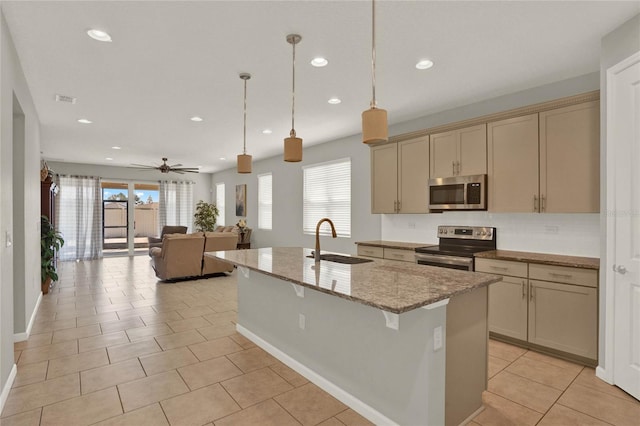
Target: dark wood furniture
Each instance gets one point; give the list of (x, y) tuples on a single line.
[(48, 193)]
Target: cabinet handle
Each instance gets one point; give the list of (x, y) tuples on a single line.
[(399, 206), (555, 274), (499, 268), (543, 202), (453, 168), (458, 167), (395, 206), (535, 203), (531, 291), (524, 292)]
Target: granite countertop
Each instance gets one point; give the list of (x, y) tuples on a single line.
[(389, 285), (542, 258), (394, 244)]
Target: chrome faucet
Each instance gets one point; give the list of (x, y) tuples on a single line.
[(333, 234)]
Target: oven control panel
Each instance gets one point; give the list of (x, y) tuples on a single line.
[(467, 232)]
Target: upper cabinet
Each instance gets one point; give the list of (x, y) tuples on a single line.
[(513, 164), (570, 159), (459, 152), (399, 175), (547, 162)]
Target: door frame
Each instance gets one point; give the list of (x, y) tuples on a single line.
[(605, 369)]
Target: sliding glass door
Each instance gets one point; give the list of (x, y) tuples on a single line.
[(130, 216)]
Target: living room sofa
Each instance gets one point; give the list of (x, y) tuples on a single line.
[(166, 230), (182, 255)]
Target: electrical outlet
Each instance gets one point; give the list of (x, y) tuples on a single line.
[(412, 225), (302, 321), (437, 338), (552, 229)]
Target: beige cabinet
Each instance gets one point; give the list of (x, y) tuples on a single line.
[(459, 152), (549, 306), (512, 147), (570, 159), (402, 255), (508, 298), (547, 162), (399, 177), (370, 251)]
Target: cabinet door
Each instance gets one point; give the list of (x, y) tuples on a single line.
[(472, 150), (413, 175), (564, 317), (508, 307), (513, 164), (384, 178), (444, 154), (570, 159)]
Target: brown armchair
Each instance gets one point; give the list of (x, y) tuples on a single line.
[(157, 242), (180, 256)]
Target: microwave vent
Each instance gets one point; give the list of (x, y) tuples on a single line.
[(65, 98)]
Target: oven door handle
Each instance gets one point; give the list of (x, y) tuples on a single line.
[(445, 260)]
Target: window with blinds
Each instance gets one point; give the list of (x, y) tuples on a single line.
[(265, 201), (327, 193), (220, 203)]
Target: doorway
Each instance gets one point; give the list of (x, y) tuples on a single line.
[(130, 213)]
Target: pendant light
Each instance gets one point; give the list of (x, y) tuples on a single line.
[(293, 144), (374, 120), (244, 160)]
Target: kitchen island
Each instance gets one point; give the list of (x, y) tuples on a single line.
[(385, 337)]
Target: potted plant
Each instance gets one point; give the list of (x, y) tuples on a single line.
[(206, 216), (50, 242)]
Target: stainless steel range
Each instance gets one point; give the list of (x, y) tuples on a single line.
[(457, 246)]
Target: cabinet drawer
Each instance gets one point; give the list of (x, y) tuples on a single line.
[(370, 251), (399, 254), (502, 267), (564, 274)]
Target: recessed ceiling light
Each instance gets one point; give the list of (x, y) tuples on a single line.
[(221, 159), (99, 35), (196, 118), (424, 64), (334, 101), (84, 121), (267, 131), (115, 147), (319, 62), (109, 159)]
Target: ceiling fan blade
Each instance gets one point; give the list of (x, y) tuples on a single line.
[(146, 166), (176, 165), (177, 171), (191, 171)]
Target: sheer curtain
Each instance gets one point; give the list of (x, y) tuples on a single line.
[(176, 204), (79, 207)]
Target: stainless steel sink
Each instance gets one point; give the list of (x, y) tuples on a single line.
[(338, 258)]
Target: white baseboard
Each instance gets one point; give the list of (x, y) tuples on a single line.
[(21, 337), (7, 386), (340, 394)]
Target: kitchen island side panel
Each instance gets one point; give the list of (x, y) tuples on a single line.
[(395, 372)]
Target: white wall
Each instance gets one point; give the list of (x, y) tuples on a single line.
[(27, 229), (287, 196), (201, 190), (616, 46)]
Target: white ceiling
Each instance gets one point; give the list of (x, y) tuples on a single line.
[(172, 60)]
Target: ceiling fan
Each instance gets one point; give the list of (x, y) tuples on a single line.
[(165, 168)]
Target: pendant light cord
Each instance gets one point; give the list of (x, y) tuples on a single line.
[(293, 93), (244, 143), (373, 53)]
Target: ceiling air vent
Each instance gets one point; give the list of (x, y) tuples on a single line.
[(65, 98)]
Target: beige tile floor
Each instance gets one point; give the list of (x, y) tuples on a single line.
[(113, 346)]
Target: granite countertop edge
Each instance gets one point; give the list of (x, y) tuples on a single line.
[(542, 258), (490, 279), (393, 244)]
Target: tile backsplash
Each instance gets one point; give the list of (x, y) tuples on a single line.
[(568, 234)]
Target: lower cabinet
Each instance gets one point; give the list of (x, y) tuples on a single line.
[(554, 307), (403, 255)]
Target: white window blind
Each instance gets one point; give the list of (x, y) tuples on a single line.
[(220, 203), (327, 193), (265, 201)]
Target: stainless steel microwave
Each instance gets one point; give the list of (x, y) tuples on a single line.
[(458, 193)]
